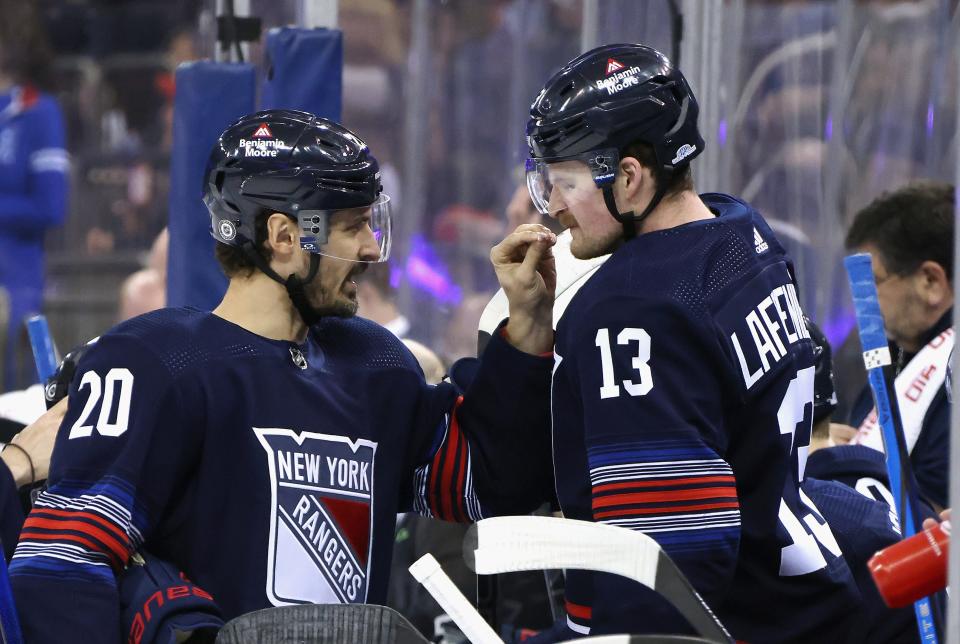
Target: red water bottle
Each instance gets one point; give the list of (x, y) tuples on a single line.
[(912, 568)]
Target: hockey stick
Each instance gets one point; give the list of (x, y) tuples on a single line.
[(510, 544), (428, 572), (44, 350), (876, 356)]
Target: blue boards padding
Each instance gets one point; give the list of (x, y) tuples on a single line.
[(306, 71), (210, 96)]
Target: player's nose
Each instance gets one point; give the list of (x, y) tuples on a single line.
[(369, 247)]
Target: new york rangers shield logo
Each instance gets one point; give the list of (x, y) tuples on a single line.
[(321, 517)]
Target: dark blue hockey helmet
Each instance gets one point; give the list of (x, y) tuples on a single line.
[(294, 163), (824, 392), (603, 101)]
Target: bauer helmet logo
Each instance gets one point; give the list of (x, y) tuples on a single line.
[(227, 230), (613, 66), (263, 132)]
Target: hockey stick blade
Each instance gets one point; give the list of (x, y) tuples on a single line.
[(512, 544), (428, 572)]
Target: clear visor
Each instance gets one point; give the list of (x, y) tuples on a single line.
[(353, 234), (561, 184)]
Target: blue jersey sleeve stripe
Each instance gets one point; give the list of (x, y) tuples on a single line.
[(48, 566)]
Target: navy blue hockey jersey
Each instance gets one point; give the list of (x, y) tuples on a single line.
[(863, 525), (865, 470), (270, 472), (682, 402)]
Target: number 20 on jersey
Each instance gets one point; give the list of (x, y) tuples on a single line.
[(110, 398)]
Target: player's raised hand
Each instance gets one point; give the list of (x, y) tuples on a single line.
[(524, 265), (526, 270)]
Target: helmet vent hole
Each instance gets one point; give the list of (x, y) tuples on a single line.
[(328, 145)]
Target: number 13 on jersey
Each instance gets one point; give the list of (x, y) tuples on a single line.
[(640, 363)]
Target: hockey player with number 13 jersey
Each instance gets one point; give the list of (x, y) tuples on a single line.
[(683, 375)]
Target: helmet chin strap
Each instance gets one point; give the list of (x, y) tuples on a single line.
[(295, 285), (295, 289), (628, 220)]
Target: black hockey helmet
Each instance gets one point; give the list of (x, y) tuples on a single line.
[(294, 163), (824, 392), (601, 102), (298, 164)]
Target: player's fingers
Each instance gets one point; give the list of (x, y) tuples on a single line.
[(537, 228), (547, 267), (929, 523), (513, 247), (536, 251)]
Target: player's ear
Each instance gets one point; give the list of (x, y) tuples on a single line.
[(282, 234), (634, 176)]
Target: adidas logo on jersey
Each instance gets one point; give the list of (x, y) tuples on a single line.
[(758, 242), (613, 66), (263, 132)]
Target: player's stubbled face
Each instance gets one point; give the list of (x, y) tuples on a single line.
[(577, 203), (350, 244)]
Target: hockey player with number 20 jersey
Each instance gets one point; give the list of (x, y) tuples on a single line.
[(683, 374), (266, 447)]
